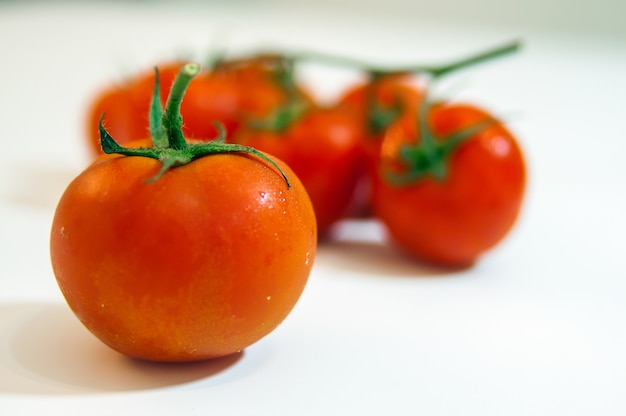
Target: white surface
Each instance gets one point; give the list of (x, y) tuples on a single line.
[(537, 327)]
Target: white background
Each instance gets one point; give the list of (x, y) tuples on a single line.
[(537, 327)]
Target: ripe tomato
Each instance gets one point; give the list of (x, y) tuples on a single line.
[(266, 82), (390, 95), (380, 102), (201, 263), (446, 198), (170, 258), (322, 148), (230, 93), (376, 105)]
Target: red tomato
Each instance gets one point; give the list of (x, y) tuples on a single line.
[(266, 82), (322, 148), (196, 261), (378, 104), (450, 204), (231, 93), (391, 95), (201, 263)]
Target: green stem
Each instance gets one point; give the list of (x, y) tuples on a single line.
[(173, 150), (432, 70), (281, 118), (487, 55), (172, 119), (157, 131)]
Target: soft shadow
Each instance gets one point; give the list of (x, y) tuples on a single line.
[(44, 349), (362, 246), (377, 259)]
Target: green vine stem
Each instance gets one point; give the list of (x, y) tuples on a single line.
[(379, 117), (169, 144), (434, 71)]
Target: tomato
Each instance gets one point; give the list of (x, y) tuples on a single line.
[(453, 190), (265, 82), (376, 105), (193, 266), (322, 148), (168, 259), (390, 95), (229, 93), (380, 102)]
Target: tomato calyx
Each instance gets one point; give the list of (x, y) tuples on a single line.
[(169, 145), (281, 118), (378, 116), (430, 154), (282, 72)]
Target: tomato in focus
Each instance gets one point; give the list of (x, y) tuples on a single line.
[(170, 259), (454, 210)]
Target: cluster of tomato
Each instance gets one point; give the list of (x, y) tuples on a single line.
[(448, 183), (198, 242)]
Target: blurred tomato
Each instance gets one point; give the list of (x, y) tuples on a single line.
[(377, 104), (231, 93), (450, 186)]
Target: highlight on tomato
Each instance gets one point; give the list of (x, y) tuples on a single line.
[(179, 250), (450, 183)]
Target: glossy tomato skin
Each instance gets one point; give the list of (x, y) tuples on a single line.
[(198, 264), (455, 220), (322, 148)]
